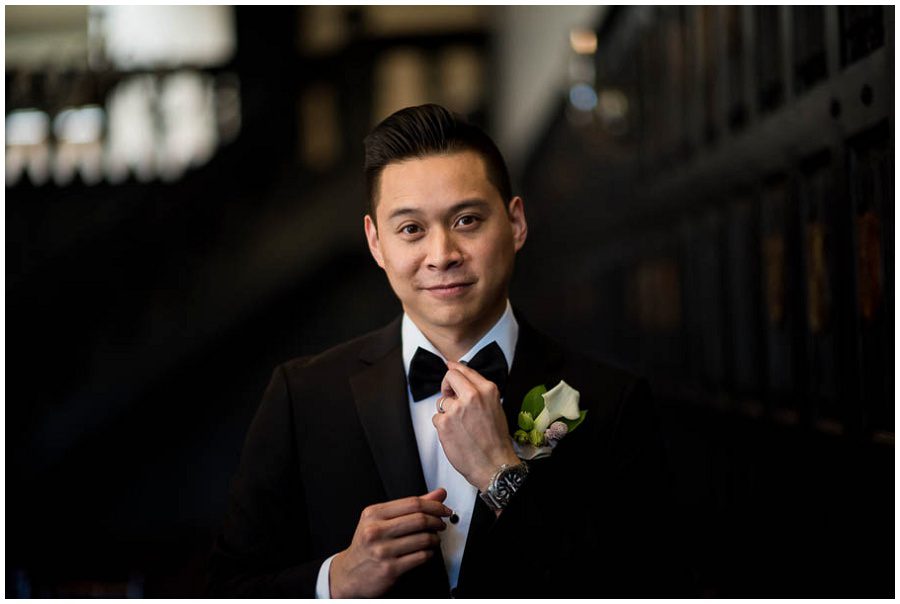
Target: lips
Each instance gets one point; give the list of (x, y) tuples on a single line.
[(450, 285), (449, 290)]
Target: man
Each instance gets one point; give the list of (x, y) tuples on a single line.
[(386, 466)]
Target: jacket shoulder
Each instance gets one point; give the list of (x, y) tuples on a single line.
[(606, 377), (615, 378), (347, 354)]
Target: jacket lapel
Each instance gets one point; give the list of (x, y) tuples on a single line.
[(537, 361), (379, 390)]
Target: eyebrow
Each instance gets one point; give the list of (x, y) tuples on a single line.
[(467, 204)]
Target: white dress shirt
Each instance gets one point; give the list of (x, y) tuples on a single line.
[(436, 468)]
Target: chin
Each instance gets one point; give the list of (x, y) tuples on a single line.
[(451, 319), (461, 318)]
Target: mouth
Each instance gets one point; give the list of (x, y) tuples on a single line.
[(449, 290)]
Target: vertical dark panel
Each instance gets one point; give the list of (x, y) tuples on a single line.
[(675, 78), (770, 85), (734, 57), (694, 92), (871, 189), (630, 82), (816, 191), (709, 68), (781, 291), (743, 285), (705, 306), (686, 42), (651, 78), (654, 305), (682, 72), (810, 57)]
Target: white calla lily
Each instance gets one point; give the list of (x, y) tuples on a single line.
[(560, 401)]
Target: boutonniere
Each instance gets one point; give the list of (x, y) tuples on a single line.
[(546, 417)]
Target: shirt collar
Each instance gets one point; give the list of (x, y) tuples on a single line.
[(505, 332)]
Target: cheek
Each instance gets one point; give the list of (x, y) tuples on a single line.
[(496, 253), (499, 258), (401, 266)]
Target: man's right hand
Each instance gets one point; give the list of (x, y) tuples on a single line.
[(390, 539)]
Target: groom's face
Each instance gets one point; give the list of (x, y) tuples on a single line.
[(446, 240)]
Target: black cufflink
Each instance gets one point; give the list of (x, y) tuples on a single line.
[(454, 518)]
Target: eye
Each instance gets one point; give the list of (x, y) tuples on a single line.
[(469, 220), (410, 229)]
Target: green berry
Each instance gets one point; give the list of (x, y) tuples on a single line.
[(526, 422)]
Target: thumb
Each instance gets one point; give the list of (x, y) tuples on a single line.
[(436, 495)]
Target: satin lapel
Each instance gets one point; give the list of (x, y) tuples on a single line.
[(379, 390), (381, 401), (537, 361)]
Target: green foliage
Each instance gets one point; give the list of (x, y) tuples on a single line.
[(571, 424), (534, 401)]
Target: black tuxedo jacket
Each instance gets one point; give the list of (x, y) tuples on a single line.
[(333, 435)]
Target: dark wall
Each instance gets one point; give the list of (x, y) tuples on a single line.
[(731, 238)]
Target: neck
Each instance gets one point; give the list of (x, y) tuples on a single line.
[(451, 346), (454, 342)]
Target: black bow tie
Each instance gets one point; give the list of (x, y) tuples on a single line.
[(427, 370)]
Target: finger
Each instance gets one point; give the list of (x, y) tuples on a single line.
[(418, 522), (467, 371), (408, 505), (438, 494), (410, 561), (456, 385), (478, 381), (402, 546)]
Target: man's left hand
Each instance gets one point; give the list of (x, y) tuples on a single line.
[(472, 429)]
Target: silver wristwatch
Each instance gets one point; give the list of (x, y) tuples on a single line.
[(504, 484)]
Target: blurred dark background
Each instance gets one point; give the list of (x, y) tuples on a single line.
[(710, 194)]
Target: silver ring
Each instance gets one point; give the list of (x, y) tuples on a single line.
[(441, 405)]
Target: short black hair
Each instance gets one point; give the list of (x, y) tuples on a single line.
[(417, 132)]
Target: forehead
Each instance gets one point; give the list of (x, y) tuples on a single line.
[(434, 181)]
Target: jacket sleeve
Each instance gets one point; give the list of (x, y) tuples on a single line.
[(263, 548)]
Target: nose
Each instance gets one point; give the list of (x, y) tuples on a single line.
[(443, 251)]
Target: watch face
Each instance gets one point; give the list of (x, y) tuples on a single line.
[(508, 482)]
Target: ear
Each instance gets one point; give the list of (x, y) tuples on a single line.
[(372, 238), (518, 222)]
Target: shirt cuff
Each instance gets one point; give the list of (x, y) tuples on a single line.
[(323, 587)]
